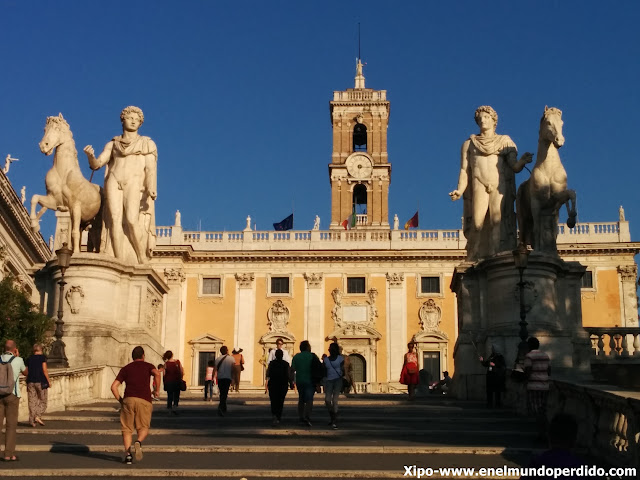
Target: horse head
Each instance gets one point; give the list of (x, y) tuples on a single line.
[(56, 132), (551, 126)]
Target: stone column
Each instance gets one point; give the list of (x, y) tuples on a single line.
[(629, 300), (397, 325), (174, 325), (314, 325), (244, 335)]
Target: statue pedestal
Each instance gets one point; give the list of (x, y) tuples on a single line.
[(489, 314), (109, 308)]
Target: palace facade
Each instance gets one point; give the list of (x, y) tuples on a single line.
[(373, 287)]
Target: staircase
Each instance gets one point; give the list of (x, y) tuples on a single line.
[(377, 436)]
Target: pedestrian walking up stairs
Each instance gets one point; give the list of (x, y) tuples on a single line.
[(378, 437)]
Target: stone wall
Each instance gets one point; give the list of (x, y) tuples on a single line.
[(72, 386)]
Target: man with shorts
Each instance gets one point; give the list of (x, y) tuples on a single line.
[(136, 403)]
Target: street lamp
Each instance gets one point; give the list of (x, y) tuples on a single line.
[(521, 258), (58, 357)]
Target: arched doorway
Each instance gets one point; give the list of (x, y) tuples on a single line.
[(358, 368)]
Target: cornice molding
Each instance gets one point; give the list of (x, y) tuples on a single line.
[(40, 252)]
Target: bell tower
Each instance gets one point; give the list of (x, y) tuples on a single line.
[(360, 171)]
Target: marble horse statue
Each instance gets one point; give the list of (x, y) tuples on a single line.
[(67, 189), (540, 198)]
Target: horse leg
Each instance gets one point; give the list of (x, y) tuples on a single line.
[(48, 202), (76, 217)]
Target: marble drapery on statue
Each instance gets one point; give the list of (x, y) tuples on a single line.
[(130, 190), (487, 185)]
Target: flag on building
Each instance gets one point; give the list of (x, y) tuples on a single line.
[(350, 222), (412, 222), (286, 224)]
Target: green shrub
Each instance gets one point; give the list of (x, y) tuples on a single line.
[(20, 319)]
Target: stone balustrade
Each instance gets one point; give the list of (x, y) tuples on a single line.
[(314, 239), (616, 355), (613, 232), (359, 95), (71, 386), (614, 342), (591, 232), (608, 422)]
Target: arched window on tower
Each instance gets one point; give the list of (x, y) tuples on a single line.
[(360, 199), (360, 137)]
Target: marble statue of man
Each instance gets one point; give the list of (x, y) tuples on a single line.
[(396, 222), (316, 223), (7, 163), (129, 188), (487, 183), (23, 194)]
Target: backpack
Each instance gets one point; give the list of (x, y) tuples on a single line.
[(7, 380)]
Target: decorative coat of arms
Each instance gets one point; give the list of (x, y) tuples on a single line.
[(278, 316), (75, 297), (430, 315)]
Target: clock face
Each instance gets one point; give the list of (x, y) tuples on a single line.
[(359, 166)]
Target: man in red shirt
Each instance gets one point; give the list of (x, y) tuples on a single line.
[(136, 403)]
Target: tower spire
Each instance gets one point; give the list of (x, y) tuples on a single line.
[(359, 75)]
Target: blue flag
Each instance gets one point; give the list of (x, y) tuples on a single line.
[(286, 224)]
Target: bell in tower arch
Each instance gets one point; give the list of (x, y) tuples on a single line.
[(360, 135)]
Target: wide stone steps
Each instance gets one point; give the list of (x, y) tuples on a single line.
[(375, 439)]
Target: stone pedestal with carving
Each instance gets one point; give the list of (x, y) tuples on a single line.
[(109, 308), (489, 314)]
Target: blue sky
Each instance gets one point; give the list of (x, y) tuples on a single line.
[(235, 94)]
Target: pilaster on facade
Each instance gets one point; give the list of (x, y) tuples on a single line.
[(244, 331), (629, 299)]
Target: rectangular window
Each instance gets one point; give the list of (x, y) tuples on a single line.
[(430, 284), (587, 280), (356, 285), (279, 284), (211, 286)]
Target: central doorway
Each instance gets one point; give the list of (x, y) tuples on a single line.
[(431, 366), (204, 358), (358, 367)]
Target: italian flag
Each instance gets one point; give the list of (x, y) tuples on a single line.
[(350, 222)]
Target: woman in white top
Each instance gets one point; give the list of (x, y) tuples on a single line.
[(334, 366)]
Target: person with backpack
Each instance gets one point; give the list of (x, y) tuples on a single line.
[(224, 370), (173, 374), (334, 366), (308, 371), (11, 366)]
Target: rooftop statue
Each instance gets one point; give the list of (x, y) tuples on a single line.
[(129, 189), (7, 163), (543, 194), (67, 189), (487, 185)]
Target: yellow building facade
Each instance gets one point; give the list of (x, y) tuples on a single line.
[(371, 286)]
